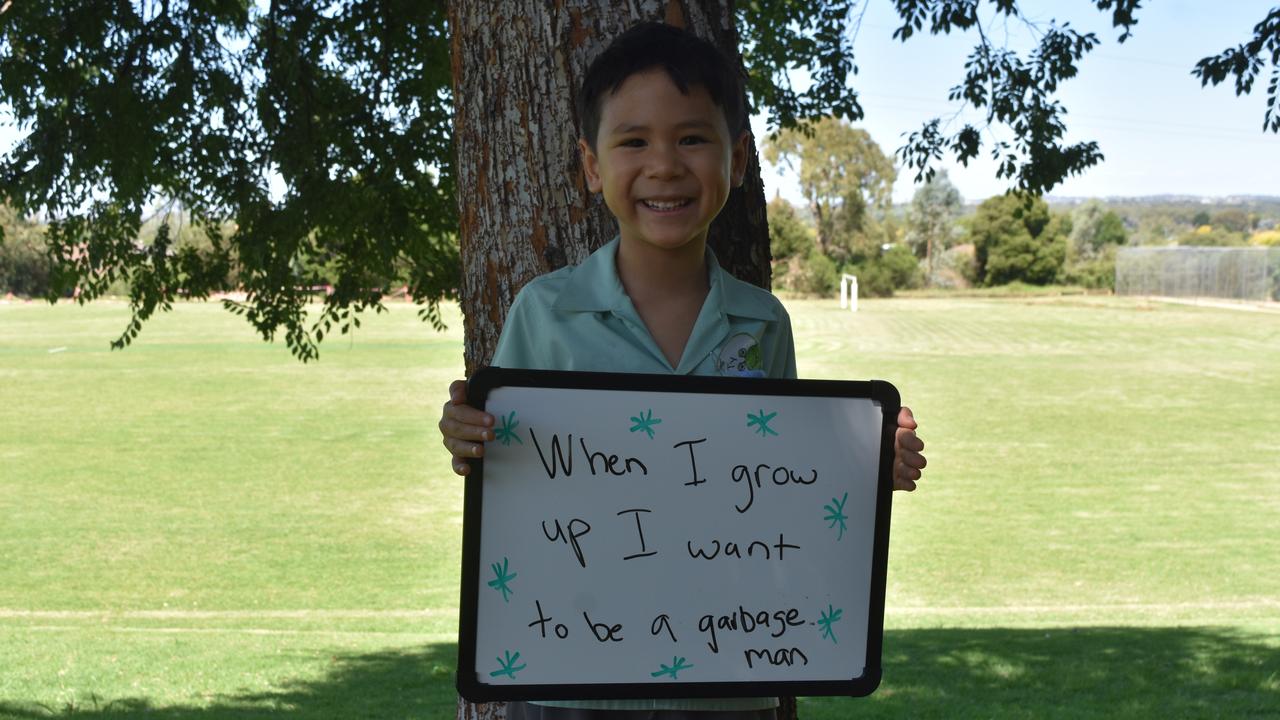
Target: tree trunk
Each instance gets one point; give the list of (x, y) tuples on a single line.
[(524, 207)]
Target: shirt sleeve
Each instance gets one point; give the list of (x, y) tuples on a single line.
[(515, 348), (783, 347)]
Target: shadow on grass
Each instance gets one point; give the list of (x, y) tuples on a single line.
[(953, 673), (1091, 672), (391, 684)]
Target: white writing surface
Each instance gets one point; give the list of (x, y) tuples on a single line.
[(650, 538)]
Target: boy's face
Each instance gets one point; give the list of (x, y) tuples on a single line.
[(664, 160)]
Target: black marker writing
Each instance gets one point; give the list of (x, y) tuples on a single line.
[(576, 529), (781, 656), (780, 476), (603, 631), (644, 551), (734, 550), (560, 629), (556, 455), (610, 462), (745, 621), (660, 623), (693, 461)]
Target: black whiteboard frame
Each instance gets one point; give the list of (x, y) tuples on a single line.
[(488, 378)]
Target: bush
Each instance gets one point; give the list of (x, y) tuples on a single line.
[(902, 267), (1097, 272), (816, 274), (894, 269), (24, 267), (1017, 238), (789, 236), (956, 267), (1269, 238)]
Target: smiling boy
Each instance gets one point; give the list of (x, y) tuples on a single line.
[(664, 140)]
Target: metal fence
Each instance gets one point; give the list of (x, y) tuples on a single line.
[(1237, 273)]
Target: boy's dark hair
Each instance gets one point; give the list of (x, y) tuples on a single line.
[(686, 58)]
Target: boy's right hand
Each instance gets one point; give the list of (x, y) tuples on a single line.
[(465, 429)]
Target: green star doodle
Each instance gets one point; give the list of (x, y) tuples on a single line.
[(762, 423), (644, 423), (677, 664), (509, 667), (832, 615), (506, 432), (499, 582), (837, 514)]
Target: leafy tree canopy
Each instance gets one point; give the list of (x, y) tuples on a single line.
[(1017, 238), (844, 175), (1093, 227), (302, 135), (320, 131), (931, 218), (788, 234)]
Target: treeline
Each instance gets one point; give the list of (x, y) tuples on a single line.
[(27, 271), (848, 225)]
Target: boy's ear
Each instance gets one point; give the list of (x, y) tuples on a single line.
[(590, 165), (738, 169)]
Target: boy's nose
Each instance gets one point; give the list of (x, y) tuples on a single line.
[(665, 162)]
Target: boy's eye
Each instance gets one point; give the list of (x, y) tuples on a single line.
[(631, 142), (692, 140)]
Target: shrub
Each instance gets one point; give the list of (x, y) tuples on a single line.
[(1017, 238), (816, 274), (1097, 271), (24, 267)]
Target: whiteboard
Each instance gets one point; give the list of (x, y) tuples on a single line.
[(631, 536)]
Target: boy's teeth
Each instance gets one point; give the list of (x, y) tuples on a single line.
[(658, 205)]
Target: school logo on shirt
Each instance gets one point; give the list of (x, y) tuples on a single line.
[(740, 356)]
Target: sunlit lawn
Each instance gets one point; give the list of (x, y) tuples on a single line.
[(201, 526)]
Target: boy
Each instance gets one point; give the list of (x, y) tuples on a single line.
[(665, 138)]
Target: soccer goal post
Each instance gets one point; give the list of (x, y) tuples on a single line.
[(849, 292)]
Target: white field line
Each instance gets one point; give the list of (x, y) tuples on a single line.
[(424, 637), (451, 613), (1101, 608), (1247, 305), (229, 614)]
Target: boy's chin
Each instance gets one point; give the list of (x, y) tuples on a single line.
[(668, 243)]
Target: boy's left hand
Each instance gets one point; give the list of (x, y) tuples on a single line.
[(907, 460)]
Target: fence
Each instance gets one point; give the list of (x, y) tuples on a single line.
[(1237, 273)]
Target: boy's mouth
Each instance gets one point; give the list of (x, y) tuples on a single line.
[(666, 205)]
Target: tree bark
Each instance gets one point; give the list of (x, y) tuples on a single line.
[(524, 207)]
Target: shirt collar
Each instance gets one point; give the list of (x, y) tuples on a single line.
[(594, 286)]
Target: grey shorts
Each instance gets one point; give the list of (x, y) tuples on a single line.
[(527, 711)]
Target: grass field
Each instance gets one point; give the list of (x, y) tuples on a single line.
[(202, 527)]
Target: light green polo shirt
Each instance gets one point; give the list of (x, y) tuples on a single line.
[(580, 318)]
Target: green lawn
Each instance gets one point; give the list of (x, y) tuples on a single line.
[(201, 526)]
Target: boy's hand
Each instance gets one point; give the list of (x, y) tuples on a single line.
[(907, 460), (465, 429)]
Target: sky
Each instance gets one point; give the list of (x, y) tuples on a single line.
[(1160, 132)]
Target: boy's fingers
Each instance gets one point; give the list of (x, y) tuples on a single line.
[(905, 471), (456, 429), (912, 459), (463, 449), (465, 415), (906, 419), (902, 477), (461, 467), (458, 392), (908, 440)]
